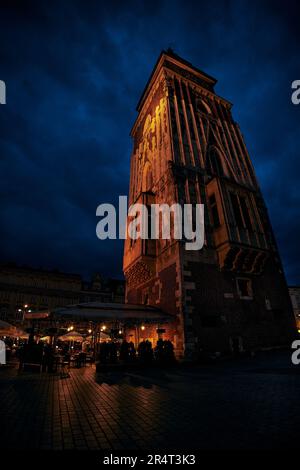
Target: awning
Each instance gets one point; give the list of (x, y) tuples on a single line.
[(98, 311)]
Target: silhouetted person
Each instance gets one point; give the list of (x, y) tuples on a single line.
[(132, 352), (124, 351), (169, 356), (145, 352), (48, 358), (103, 352), (113, 352), (159, 350), (164, 352)]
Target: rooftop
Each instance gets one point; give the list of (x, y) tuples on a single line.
[(93, 311)]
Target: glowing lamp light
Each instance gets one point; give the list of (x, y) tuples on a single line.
[(89, 331), (120, 332), (26, 306), (142, 327), (19, 310), (29, 311), (103, 327)]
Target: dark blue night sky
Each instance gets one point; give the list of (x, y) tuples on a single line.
[(74, 72)]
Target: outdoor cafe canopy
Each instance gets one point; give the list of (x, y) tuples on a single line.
[(103, 336), (99, 311), (6, 328), (72, 336)]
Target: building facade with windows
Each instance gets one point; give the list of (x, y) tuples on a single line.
[(42, 290), (187, 148)]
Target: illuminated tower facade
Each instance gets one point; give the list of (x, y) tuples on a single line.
[(232, 294)]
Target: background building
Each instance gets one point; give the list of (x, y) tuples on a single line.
[(295, 298), (232, 294), (40, 290)]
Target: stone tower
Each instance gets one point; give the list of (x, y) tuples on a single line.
[(232, 294)]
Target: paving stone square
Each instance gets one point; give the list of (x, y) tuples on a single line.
[(240, 404)]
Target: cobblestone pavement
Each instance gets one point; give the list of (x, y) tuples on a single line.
[(250, 403)]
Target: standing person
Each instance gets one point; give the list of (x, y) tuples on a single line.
[(131, 351), (159, 350), (124, 351)]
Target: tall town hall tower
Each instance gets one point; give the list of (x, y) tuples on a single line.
[(232, 294)]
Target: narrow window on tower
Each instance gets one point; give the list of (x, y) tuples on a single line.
[(193, 193), (149, 243), (214, 211), (185, 142), (246, 214), (193, 201), (236, 210), (174, 130), (132, 240), (149, 221), (244, 288)]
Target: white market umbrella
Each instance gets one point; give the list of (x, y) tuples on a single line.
[(72, 336), (6, 329)]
